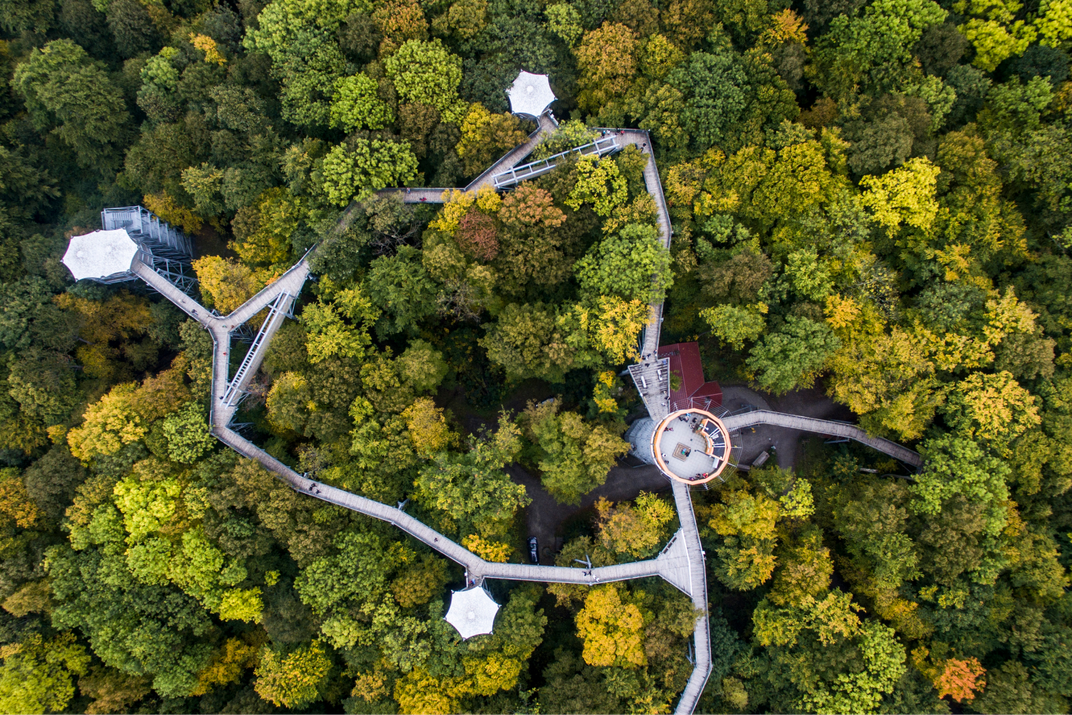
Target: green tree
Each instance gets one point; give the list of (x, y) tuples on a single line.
[(611, 629), (792, 356), (734, 325), (354, 171), (574, 456), (747, 523), (298, 36), (565, 22), (607, 63), (422, 366), (339, 327), (187, 434), (631, 264), (874, 48), (956, 465), (293, 679), (881, 664), (36, 676), (357, 105), (43, 384), (905, 195), (399, 286), (531, 242), (69, 94), (872, 520), (524, 343), (131, 626), (993, 409), (427, 73), (471, 490), (600, 184), (485, 137), (638, 530), (716, 87), (132, 27)]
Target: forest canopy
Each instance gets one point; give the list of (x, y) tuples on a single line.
[(871, 209)]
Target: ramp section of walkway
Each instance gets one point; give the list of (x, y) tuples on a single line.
[(545, 126), (425, 195), (290, 282), (817, 426), (512, 177), (678, 571), (279, 311)]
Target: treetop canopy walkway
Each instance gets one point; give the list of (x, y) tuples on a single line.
[(681, 562)]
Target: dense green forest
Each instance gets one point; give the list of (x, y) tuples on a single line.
[(874, 199)]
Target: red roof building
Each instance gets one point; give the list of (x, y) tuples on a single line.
[(692, 391)]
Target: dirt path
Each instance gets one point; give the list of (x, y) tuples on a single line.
[(545, 516)]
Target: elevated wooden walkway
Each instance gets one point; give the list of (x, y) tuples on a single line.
[(545, 126), (828, 427), (280, 310), (512, 177), (652, 378), (681, 562), (690, 536), (672, 564)]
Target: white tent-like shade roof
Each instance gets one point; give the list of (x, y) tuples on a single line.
[(471, 612), (100, 254), (530, 94)]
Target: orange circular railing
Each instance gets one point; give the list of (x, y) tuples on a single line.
[(707, 416)]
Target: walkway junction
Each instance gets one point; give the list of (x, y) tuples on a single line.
[(136, 244)]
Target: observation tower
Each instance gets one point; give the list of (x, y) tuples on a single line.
[(688, 442), (131, 240)]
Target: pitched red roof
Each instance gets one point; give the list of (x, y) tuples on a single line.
[(693, 392)]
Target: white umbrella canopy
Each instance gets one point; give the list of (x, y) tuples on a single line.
[(100, 254), (530, 94), (472, 612)]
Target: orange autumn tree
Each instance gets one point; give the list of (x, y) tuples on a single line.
[(961, 679)]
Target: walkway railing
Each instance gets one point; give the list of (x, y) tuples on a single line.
[(831, 427), (280, 308), (511, 177)]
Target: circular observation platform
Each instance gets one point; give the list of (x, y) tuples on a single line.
[(691, 446)]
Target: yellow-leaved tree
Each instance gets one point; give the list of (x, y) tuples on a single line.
[(294, 678), (612, 630)]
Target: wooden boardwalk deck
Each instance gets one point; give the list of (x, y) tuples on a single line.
[(701, 636), (836, 429), (652, 379)]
